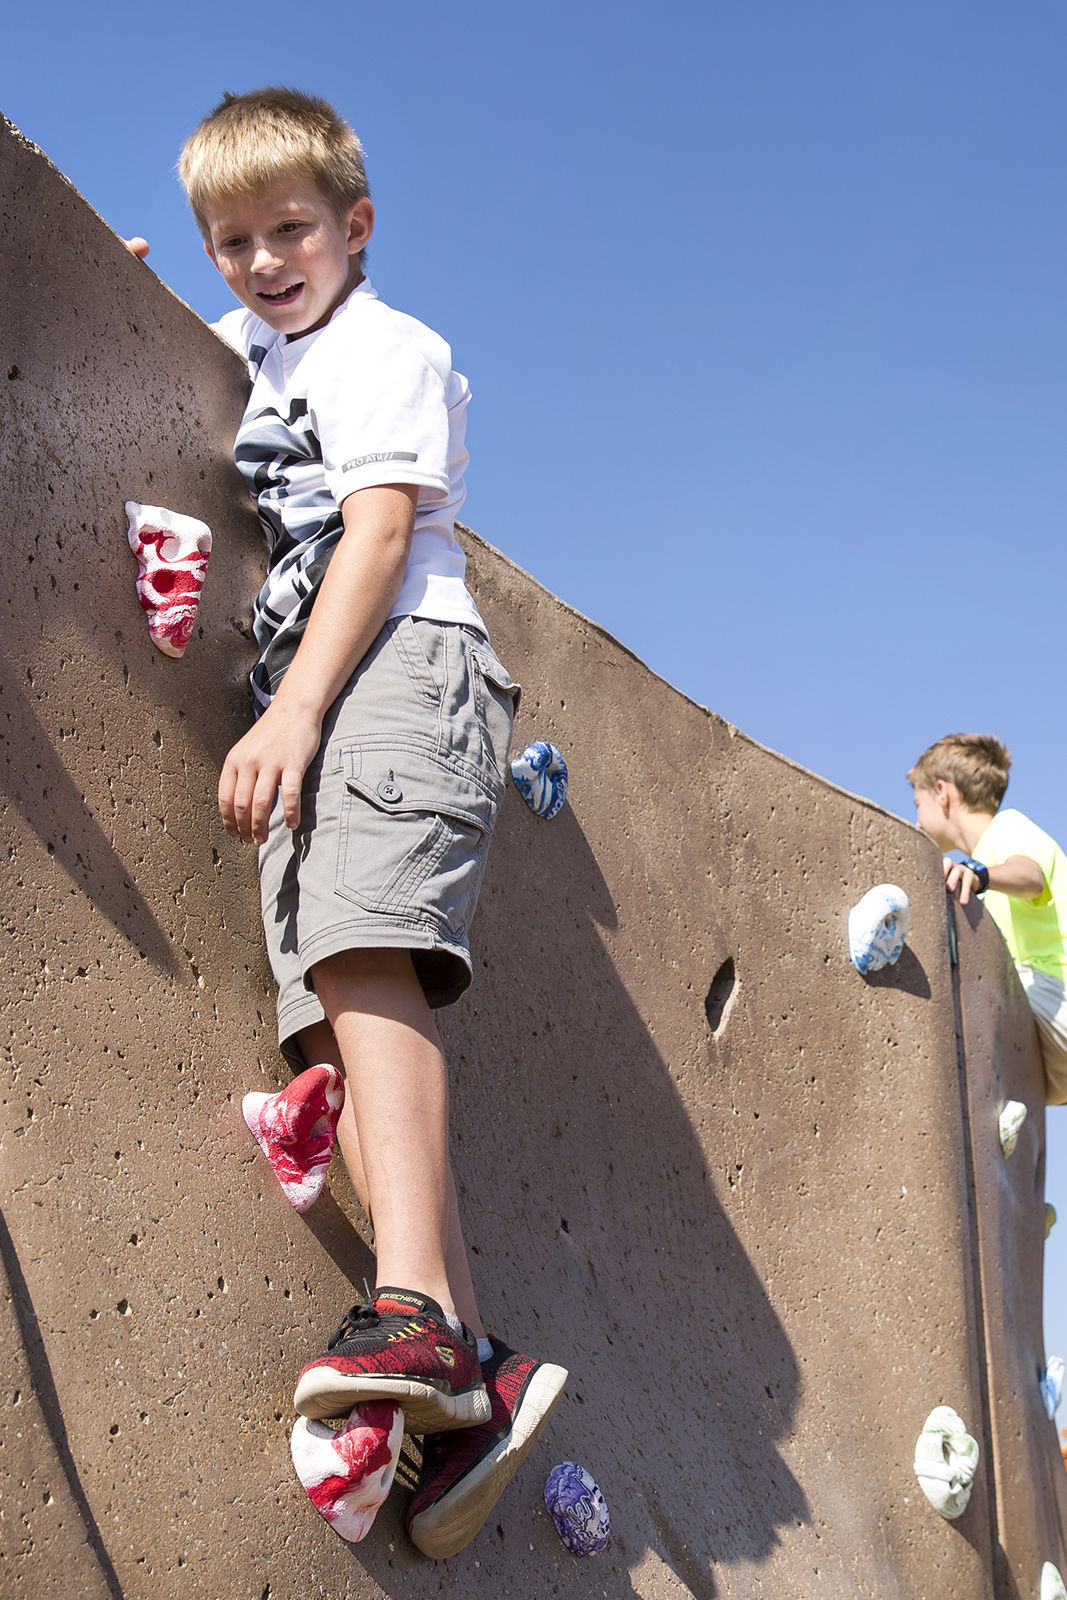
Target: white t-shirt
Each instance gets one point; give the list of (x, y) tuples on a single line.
[(371, 398)]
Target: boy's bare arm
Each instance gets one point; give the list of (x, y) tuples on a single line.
[(356, 596), (1019, 877)]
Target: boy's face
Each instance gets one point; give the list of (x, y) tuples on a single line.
[(285, 253), (930, 817)]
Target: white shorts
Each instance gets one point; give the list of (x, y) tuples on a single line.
[(1048, 1002)]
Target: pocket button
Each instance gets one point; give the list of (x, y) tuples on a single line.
[(389, 791)]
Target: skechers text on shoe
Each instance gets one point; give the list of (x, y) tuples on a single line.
[(398, 1347)]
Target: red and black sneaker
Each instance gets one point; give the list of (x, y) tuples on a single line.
[(398, 1347), (464, 1474)]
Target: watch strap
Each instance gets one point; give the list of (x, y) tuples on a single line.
[(980, 871)]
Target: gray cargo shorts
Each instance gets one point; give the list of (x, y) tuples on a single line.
[(396, 814)]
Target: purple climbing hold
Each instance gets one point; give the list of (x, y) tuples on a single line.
[(578, 1509)]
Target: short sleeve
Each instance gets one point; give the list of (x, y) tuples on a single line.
[(234, 327), (380, 408), (1012, 834)]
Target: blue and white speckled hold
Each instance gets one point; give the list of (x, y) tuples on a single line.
[(877, 928), (540, 775), (1052, 1585), (1012, 1117), (578, 1509), (1052, 1385)]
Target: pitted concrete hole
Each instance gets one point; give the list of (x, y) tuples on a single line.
[(721, 996)]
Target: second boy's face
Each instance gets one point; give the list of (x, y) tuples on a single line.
[(930, 817), (286, 255)]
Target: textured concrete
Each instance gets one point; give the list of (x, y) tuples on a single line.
[(744, 1194), (1003, 1063)]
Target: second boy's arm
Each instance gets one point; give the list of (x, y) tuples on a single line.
[(356, 596), (1019, 877)]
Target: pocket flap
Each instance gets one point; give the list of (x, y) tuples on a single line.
[(398, 777), (497, 674)]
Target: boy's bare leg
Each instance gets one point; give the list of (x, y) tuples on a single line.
[(393, 1129)]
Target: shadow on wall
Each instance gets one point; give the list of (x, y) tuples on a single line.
[(598, 1241), (44, 1390), (43, 793)]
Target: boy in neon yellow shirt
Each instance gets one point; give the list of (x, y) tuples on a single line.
[(1022, 872)]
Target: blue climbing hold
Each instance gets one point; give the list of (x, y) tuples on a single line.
[(877, 928), (540, 775), (1052, 1385)]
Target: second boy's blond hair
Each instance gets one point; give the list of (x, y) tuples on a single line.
[(251, 141), (976, 763)]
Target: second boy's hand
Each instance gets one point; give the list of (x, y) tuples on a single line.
[(353, 602), (1018, 877)]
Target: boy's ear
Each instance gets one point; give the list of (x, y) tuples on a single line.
[(946, 793), (360, 224), (209, 252)]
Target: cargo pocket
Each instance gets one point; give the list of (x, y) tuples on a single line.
[(414, 834), (496, 697)]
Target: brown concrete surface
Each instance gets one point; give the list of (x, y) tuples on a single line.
[(1004, 1063), (766, 1248)]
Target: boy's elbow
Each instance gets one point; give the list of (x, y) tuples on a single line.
[(1037, 881), (1026, 881)]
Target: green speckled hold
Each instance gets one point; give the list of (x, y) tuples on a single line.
[(1052, 1585), (946, 1460)]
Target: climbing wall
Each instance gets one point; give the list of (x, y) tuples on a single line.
[(745, 1194)]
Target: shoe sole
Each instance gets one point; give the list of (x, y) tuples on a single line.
[(427, 1407), (444, 1528)]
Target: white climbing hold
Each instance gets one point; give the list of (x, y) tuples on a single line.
[(946, 1459), (877, 928), (172, 553), (540, 775), (1050, 1217), (1052, 1585), (1052, 1385), (578, 1509), (1012, 1117), (348, 1474)]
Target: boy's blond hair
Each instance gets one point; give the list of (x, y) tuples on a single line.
[(253, 140), (975, 762)]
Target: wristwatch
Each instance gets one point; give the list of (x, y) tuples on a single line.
[(980, 871)]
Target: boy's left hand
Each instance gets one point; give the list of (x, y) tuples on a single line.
[(361, 583), (274, 754), (960, 880)]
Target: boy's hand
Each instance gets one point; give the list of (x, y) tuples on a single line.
[(960, 880), (356, 595), (274, 754), (1019, 877), (137, 245)]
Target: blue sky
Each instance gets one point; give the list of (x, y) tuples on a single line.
[(763, 306)]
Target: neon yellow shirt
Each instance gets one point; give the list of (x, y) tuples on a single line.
[(1035, 931)]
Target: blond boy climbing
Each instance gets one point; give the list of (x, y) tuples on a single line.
[(1020, 871), (371, 777)]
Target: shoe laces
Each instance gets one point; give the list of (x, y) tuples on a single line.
[(362, 1316)]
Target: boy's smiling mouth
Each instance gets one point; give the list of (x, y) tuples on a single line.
[(281, 297)]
